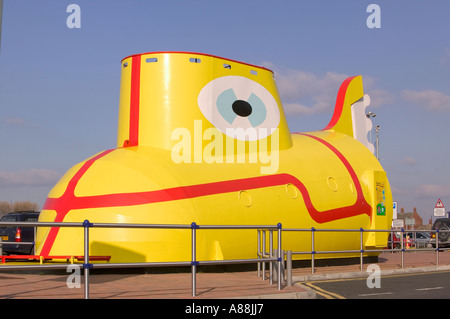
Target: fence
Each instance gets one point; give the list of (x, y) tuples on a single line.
[(193, 263), (278, 256), (403, 241)]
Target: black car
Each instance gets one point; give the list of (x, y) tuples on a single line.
[(17, 234), (443, 227)]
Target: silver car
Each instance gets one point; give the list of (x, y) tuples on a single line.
[(420, 239)]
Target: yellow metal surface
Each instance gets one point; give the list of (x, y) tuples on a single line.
[(176, 163)]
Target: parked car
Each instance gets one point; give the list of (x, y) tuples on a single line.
[(394, 241), (443, 227), (419, 239), (17, 234)]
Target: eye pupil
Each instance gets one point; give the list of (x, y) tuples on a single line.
[(242, 108)]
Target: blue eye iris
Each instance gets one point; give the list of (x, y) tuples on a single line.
[(230, 107), (224, 102), (259, 110)]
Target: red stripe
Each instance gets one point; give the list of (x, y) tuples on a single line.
[(62, 205), (68, 201), (339, 106), (134, 100), (360, 207)]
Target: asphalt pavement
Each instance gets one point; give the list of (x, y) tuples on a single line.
[(406, 286)]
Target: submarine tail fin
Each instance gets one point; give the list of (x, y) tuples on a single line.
[(349, 115)]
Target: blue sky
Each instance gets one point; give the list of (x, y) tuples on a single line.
[(59, 87)]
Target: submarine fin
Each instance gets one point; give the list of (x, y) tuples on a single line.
[(349, 115)]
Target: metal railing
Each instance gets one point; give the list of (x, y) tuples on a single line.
[(282, 258), (287, 254), (193, 263)]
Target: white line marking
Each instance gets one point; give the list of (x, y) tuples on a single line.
[(433, 288), (376, 294)]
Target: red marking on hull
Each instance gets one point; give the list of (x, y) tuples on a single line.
[(339, 103), (135, 90), (62, 205), (68, 201)]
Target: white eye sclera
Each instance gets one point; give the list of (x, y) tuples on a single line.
[(233, 103)]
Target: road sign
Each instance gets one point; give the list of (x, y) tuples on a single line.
[(439, 212), (439, 209), (394, 215), (439, 204), (398, 223)]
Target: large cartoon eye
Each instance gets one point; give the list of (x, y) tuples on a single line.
[(233, 103)]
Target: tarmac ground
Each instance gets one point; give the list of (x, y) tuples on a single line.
[(218, 283)]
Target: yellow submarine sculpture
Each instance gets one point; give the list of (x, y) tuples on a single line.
[(204, 139)]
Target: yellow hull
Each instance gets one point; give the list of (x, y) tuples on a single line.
[(324, 179)]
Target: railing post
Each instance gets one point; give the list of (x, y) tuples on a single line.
[(34, 240), (392, 241), (312, 249), (270, 256), (258, 232), (437, 247), (194, 261), (403, 245), (279, 256), (86, 264), (263, 253), (361, 248)]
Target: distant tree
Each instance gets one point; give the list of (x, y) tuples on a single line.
[(25, 205), (5, 208), (8, 207)]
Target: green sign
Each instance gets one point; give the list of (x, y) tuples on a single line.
[(381, 210)]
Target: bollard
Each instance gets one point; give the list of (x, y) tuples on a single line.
[(289, 267)]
